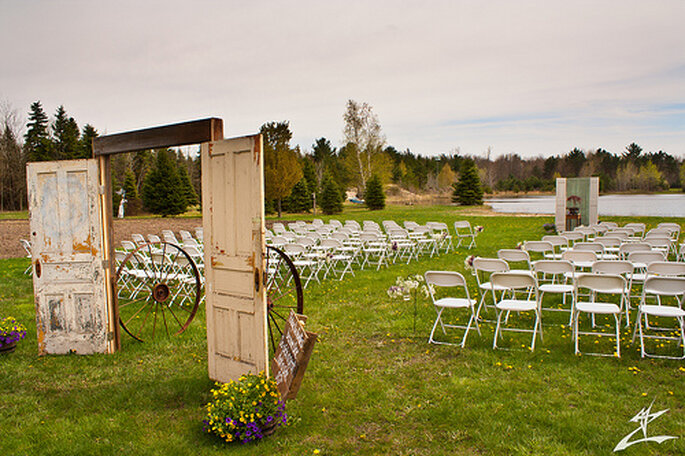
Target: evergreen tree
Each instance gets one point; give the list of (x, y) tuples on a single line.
[(300, 199), (133, 202), (467, 191), (162, 187), (330, 201), (309, 173), (85, 147), (36, 140), (373, 195), (66, 135), (187, 187)]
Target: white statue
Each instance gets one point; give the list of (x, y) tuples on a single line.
[(123, 201)]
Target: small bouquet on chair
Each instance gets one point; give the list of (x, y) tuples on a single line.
[(406, 287)]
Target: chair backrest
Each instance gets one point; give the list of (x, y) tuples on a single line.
[(331, 244), (538, 246), (556, 240), (353, 224), (411, 226), (278, 228), (340, 236), (664, 286), (138, 238), (464, 226), (646, 257), (153, 238), (490, 265), (554, 267), (514, 280), (572, 236), (129, 246), (601, 283), (317, 222), (619, 233), (199, 233), (445, 279), (619, 267), (337, 224), (293, 249), (306, 242), (638, 227), (627, 247), (514, 256), (609, 224), (185, 235), (368, 236), (398, 233), (27, 247), (190, 242), (591, 246), (663, 242), (666, 268), (579, 256), (608, 241), (277, 241), (600, 228)]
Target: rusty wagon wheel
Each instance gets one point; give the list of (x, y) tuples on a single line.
[(283, 292), (158, 290)]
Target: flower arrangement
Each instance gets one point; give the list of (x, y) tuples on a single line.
[(11, 331), (479, 229), (468, 262), (405, 287), (245, 410)]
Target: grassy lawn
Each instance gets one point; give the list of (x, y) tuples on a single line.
[(373, 386)]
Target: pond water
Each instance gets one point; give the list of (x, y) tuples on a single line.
[(621, 205)]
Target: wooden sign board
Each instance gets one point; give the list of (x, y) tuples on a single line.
[(292, 356)]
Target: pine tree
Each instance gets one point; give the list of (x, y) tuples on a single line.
[(65, 132), (300, 199), (186, 186), (85, 147), (133, 202), (162, 187), (373, 195), (330, 201), (36, 140), (309, 173), (467, 191)]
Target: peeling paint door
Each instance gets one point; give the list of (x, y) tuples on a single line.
[(69, 276), (233, 221)]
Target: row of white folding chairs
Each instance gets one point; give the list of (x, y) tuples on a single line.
[(530, 295)]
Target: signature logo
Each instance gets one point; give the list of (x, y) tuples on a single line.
[(643, 417)]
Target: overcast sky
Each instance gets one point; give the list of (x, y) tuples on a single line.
[(527, 77)]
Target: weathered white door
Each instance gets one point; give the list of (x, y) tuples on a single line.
[(233, 221), (73, 305)]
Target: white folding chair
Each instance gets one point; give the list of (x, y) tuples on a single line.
[(516, 256), (401, 245), (559, 243), (463, 230), (444, 237), (374, 250), (339, 260), (545, 249), (453, 281), (556, 277), (26, 245), (662, 288), (514, 281), (627, 247), (483, 268), (600, 287), (138, 238), (623, 268)]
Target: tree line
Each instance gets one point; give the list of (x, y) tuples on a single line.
[(295, 177)]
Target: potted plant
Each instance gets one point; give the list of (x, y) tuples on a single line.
[(11, 331), (245, 410)]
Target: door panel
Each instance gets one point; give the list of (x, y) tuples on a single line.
[(233, 224), (72, 307)]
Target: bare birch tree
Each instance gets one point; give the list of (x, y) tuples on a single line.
[(363, 134)]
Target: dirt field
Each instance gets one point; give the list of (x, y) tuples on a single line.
[(13, 230)]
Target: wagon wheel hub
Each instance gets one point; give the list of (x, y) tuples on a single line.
[(160, 292)]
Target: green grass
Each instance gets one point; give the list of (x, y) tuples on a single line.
[(14, 215), (373, 386)]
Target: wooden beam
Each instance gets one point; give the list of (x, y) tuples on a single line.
[(181, 134)]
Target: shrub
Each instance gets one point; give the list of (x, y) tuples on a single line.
[(373, 195)]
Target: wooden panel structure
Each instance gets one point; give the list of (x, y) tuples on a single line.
[(233, 223), (560, 205), (292, 356), (73, 297), (181, 134)]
